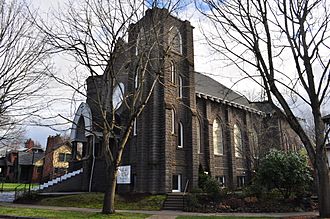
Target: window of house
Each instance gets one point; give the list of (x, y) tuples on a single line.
[(172, 121), (39, 169), (63, 157), (173, 72), (198, 136), (134, 127), (238, 141), (221, 180), (180, 87), (175, 40), (180, 135), (217, 137), (240, 181)]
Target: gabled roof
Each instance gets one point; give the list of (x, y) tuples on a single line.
[(211, 89), (26, 158), (66, 143)]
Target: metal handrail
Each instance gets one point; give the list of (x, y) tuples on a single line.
[(184, 192), (186, 186)]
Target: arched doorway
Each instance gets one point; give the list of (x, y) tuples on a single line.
[(81, 132)]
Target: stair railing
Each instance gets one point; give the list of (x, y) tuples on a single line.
[(184, 192), (186, 186)]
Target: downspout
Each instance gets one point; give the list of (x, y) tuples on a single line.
[(93, 164)]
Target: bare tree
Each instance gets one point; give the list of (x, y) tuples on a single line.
[(23, 61), (286, 44), (93, 32), (12, 134)]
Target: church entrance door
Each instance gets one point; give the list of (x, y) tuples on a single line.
[(176, 183)]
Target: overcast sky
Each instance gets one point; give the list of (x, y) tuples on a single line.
[(205, 62)]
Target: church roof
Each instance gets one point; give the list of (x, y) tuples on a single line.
[(212, 89)]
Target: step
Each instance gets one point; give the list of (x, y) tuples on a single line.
[(174, 205), (172, 208), (174, 201)]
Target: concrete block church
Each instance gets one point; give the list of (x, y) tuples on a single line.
[(191, 123)]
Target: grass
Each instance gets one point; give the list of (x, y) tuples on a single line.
[(8, 187), (95, 200), (216, 217), (42, 213)]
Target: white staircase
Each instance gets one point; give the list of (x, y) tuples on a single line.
[(57, 180)]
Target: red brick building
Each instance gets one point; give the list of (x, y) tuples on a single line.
[(57, 157)]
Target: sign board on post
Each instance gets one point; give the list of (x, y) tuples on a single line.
[(124, 175)]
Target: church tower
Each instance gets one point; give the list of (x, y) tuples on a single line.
[(162, 144)]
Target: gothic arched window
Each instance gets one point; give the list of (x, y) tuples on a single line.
[(173, 72), (180, 87), (238, 141), (140, 41), (198, 136), (180, 135), (175, 40), (217, 137), (135, 127), (254, 143), (136, 79), (172, 121)]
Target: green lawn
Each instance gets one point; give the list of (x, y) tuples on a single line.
[(216, 217), (41, 213), (6, 187), (95, 200)]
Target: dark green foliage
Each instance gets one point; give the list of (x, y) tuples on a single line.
[(288, 172), (210, 186)]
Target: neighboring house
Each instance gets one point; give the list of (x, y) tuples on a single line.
[(57, 157), (3, 168), (191, 123), (23, 165), (30, 166), (10, 172)]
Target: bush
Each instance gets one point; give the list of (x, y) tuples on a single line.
[(288, 172), (192, 202), (254, 189), (210, 186)]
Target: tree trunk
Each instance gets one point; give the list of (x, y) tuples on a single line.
[(109, 194), (321, 164), (323, 188)]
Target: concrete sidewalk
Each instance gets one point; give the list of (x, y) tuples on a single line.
[(165, 214)]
